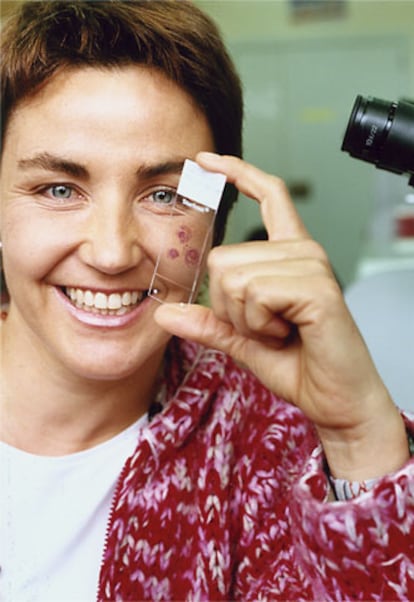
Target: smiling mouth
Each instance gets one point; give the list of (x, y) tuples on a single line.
[(114, 304)]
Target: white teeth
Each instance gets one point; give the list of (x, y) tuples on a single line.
[(79, 297), (101, 301), (126, 299), (116, 303), (88, 298)]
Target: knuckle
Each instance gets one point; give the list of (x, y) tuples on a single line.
[(214, 258), (276, 183), (329, 291), (316, 251), (255, 293), (253, 289), (232, 282)]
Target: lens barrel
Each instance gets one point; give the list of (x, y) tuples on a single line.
[(382, 133)]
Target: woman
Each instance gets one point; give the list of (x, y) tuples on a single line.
[(146, 466)]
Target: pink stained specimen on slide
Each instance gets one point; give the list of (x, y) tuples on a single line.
[(181, 259), (184, 234), (173, 254), (192, 257)]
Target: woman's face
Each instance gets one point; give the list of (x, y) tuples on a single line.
[(89, 167)]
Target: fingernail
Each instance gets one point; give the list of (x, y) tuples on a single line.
[(171, 308), (207, 156)]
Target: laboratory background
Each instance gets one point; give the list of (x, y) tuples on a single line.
[(302, 64)]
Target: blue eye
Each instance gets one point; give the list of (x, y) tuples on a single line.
[(61, 191), (164, 197)]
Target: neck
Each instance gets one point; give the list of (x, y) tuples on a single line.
[(55, 413)]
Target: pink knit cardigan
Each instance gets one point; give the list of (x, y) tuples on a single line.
[(225, 499)]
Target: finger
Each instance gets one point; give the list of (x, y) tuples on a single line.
[(308, 303), (254, 252), (268, 305), (280, 217), (199, 324), (236, 293), (254, 321)]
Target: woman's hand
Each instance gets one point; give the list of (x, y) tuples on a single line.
[(276, 307)]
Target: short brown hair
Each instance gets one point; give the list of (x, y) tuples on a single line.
[(43, 38)]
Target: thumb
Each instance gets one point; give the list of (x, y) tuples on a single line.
[(199, 324)]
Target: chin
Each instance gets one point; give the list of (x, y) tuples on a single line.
[(111, 364), (106, 372)]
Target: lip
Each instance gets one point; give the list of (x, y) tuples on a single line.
[(98, 320)]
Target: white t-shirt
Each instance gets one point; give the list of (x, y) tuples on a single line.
[(53, 519)]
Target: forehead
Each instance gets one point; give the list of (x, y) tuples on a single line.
[(109, 103)]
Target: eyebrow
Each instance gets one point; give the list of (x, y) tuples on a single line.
[(159, 169), (54, 163)]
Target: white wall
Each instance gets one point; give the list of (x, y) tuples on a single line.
[(272, 19), (342, 225)]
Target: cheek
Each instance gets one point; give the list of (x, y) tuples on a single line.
[(19, 247), (31, 246)]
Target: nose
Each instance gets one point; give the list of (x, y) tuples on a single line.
[(112, 238)]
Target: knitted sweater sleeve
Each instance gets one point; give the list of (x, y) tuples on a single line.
[(356, 550), (295, 545)]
